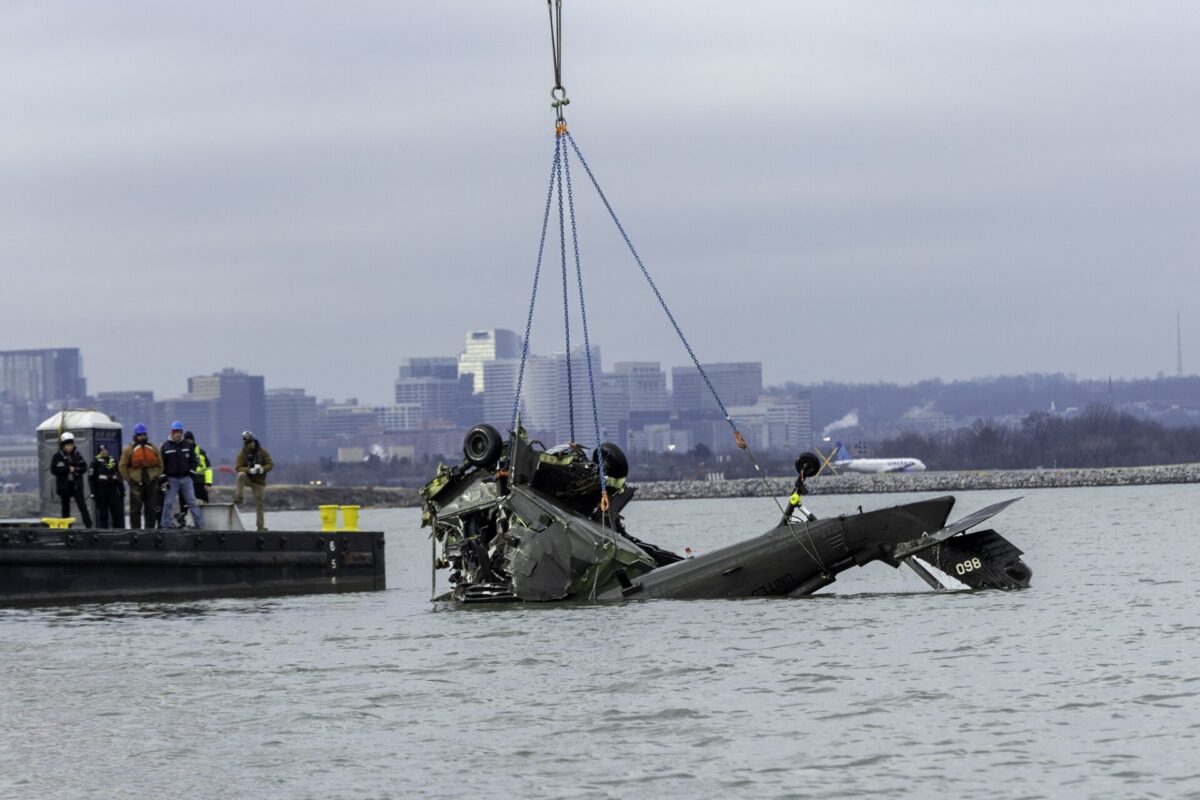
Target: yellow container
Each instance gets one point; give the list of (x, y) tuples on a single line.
[(58, 522), (328, 517), (350, 518)]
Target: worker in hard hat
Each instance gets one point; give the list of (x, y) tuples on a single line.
[(69, 468), (141, 465), (202, 480), (107, 490), (179, 462), (253, 464)]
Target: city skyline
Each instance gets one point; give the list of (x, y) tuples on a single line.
[(380, 388), (435, 403), (386, 380)]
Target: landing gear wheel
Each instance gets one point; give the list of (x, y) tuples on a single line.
[(808, 465), (616, 465), (482, 446)]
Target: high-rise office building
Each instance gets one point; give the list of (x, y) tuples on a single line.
[(291, 415), (738, 384), (550, 395), (128, 408), (614, 405), (789, 424), (485, 346), (201, 416), (646, 384), (349, 420), (35, 382), (42, 377), (437, 398), (440, 367), (500, 378), (340, 421), (632, 387), (543, 399), (751, 422), (781, 425), (241, 405), (434, 385)]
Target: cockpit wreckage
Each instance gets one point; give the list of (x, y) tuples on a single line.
[(518, 523)]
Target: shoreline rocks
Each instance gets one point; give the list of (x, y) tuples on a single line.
[(897, 482), (307, 498)]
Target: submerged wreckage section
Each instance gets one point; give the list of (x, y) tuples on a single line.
[(517, 522)]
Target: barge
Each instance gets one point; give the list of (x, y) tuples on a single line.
[(45, 566)]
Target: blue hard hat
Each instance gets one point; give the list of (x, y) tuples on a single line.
[(176, 425), (139, 429)]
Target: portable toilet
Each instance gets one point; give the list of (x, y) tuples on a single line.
[(91, 429)]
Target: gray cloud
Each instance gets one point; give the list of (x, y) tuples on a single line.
[(844, 191)]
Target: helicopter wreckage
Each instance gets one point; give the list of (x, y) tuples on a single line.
[(517, 522)]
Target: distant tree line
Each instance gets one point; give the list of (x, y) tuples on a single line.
[(1097, 437), (989, 397)]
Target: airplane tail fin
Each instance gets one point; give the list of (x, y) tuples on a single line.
[(841, 453)]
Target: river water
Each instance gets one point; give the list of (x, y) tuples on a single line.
[(1086, 685)]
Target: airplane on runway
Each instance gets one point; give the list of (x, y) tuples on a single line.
[(840, 460)]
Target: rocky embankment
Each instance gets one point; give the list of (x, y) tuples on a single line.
[(305, 498), (927, 482)]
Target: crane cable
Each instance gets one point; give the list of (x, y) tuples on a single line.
[(558, 94), (742, 444), (561, 170), (537, 274)]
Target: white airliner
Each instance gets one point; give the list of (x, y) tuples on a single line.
[(844, 462)]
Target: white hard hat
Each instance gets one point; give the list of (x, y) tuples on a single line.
[(67, 437)]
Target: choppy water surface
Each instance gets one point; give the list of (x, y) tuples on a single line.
[(1087, 685)]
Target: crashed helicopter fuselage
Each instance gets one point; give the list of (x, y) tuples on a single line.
[(518, 523)]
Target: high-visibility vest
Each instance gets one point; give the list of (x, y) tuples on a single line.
[(143, 456), (203, 467)]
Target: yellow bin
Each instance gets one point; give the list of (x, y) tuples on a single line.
[(350, 518), (58, 522), (328, 517)]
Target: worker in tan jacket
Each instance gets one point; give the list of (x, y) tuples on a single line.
[(253, 464), (140, 466)]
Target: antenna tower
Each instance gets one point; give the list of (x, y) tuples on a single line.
[(1178, 348)]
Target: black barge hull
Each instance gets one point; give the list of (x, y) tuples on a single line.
[(40, 566)]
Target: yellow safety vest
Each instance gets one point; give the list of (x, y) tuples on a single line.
[(203, 467)]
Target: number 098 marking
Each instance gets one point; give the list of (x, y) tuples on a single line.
[(963, 567)]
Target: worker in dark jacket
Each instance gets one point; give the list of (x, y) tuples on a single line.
[(69, 469), (253, 464), (179, 462), (201, 480), (107, 490)]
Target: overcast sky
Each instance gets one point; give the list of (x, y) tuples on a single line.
[(844, 191)]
